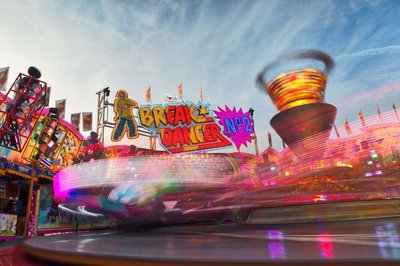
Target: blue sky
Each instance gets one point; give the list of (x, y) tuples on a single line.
[(84, 46)]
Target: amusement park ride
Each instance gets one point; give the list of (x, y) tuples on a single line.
[(216, 187), (316, 178), (304, 119), (27, 127), (36, 133), (25, 99)]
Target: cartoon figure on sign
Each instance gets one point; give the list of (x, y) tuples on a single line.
[(124, 120)]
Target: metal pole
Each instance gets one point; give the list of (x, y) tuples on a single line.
[(28, 206), (37, 205), (102, 112), (254, 137)]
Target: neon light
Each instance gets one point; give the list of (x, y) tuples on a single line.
[(378, 172), (316, 198)]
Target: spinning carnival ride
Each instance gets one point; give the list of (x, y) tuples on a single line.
[(144, 189), (216, 187)]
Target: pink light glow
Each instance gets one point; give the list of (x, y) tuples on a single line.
[(144, 171), (59, 193), (326, 246)]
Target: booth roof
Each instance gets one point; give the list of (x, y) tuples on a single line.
[(23, 170)]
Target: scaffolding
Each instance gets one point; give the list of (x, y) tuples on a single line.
[(19, 108), (102, 112)]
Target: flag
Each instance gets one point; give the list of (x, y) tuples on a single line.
[(395, 111), (347, 127), (269, 139), (336, 131), (87, 118), (76, 120), (360, 115), (180, 94), (3, 78), (201, 94), (148, 95), (153, 142), (378, 110), (60, 105)]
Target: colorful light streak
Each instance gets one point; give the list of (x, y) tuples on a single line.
[(182, 179), (146, 171), (374, 121)]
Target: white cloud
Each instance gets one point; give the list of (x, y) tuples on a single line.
[(392, 50)]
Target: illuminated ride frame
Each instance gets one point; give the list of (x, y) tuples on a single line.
[(47, 140), (18, 114)]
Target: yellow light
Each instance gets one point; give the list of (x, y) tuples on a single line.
[(297, 88)]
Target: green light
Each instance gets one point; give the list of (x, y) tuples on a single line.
[(374, 156)]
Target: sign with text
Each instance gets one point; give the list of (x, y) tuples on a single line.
[(183, 127), (238, 126)]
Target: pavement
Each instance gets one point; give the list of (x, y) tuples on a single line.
[(11, 254), (362, 242)]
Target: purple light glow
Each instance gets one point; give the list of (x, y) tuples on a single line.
[(276, 247), (378, 172)]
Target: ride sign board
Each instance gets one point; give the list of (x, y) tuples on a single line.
[(238, 126), (183, 127)]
